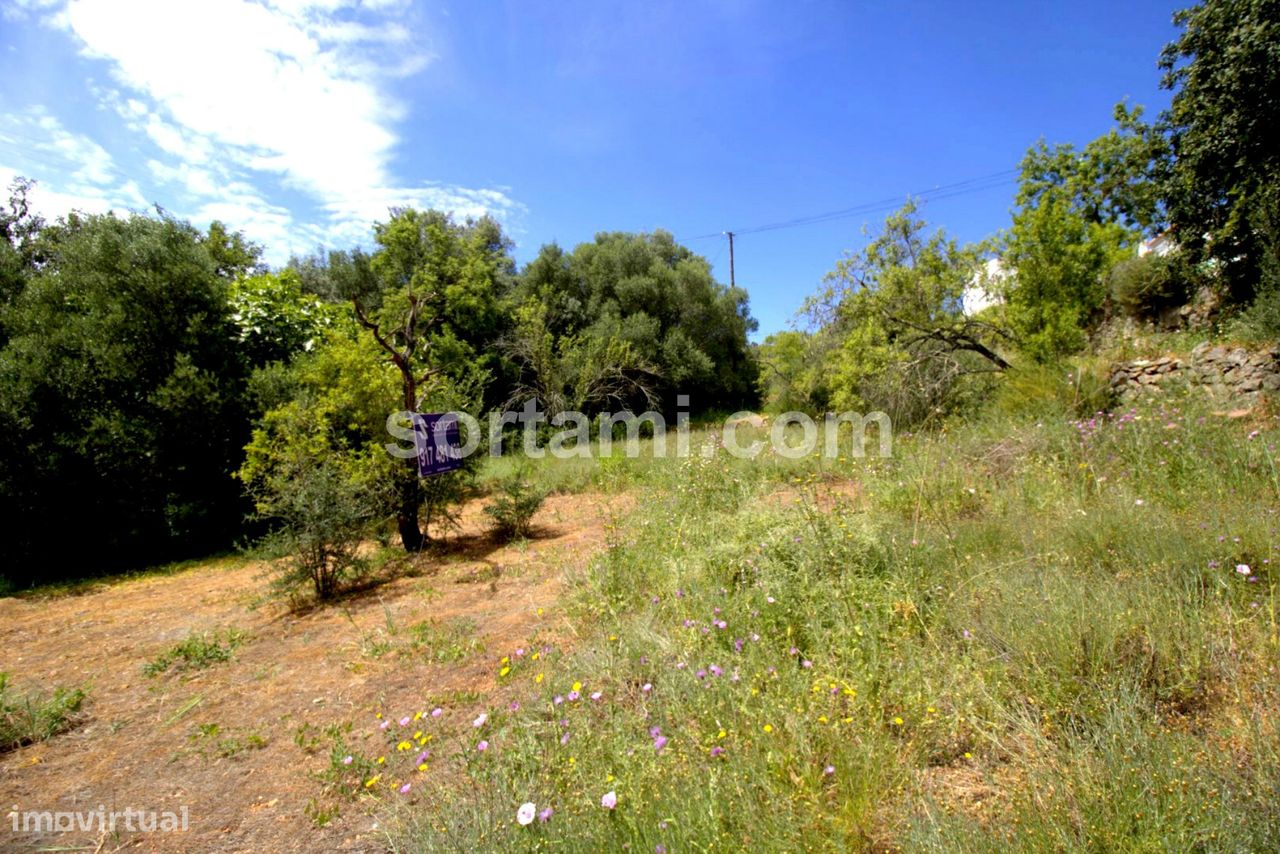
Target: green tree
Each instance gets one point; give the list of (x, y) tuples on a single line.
[(577, 372), (1113, 179), (1059, 258), (275, 318), (892, 322), (431, 298), (1223, 185), (791, 376), (660, 299), (119, 399)]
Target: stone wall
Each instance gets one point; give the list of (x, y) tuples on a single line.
[(1225, 372)]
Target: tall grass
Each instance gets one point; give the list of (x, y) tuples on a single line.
[(1036, 629)]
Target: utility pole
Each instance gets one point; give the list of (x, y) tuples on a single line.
[(732, 284)]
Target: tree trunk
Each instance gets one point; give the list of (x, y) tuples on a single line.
[(411, 535)]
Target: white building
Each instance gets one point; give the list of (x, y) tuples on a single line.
[(985, 287)]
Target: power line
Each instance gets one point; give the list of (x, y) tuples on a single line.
[(945, 191)]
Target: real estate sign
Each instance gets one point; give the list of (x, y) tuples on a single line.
[(437, 440)]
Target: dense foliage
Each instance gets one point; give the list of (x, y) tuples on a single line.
[(120, 398), (144, 363), (1222, 184)]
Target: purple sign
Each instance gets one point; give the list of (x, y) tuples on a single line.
[(436, 438)]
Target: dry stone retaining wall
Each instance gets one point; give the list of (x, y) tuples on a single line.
[(1226, 372)]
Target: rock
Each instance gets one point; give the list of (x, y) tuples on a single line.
[(1248, 385)]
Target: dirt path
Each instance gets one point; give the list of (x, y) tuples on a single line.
[(142, 744)]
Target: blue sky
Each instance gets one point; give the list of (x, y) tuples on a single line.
[(302, 121)]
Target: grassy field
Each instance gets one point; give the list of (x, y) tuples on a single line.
[(1036, 631)]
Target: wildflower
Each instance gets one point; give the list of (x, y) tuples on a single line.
[(897, 721), (515, 706), (504, 671), (717, 751), (654, 731), (520, 652), (384, 724), (596, 695), (372, 781), (828, 771), (557, 699), (482, 746), (347, 760), (435, 713), (480, 721), (793, 651), (539, 678), (524, 815), (404, 790), (404, 721), (546, 814), (403, 746), (715, 670), (721, 624), (573, 696), (768, 727), (806, 664), (770, 599), (659, 743), (646, 688), (610, 800), (1242, 568), (1139, 502), (564, 739), (967, 635)]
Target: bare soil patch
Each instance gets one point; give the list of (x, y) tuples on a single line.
[(139, 742)]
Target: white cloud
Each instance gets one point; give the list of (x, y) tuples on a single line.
[(286, 94), (34, 142)]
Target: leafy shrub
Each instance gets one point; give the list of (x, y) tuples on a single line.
[(28, 718), (513, 506), (197, 652), (323, 514), (1144, 287)]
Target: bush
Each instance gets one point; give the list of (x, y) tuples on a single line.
[(28, 719), (514, 505), (1147, 286), (323, 515)]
